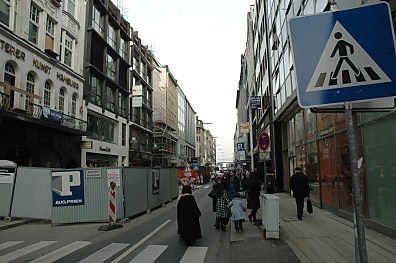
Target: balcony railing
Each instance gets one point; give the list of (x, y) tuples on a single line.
[(35, 111)]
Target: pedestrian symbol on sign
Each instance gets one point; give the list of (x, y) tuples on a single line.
[(344, 63)]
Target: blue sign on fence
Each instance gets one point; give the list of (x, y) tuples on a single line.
[(67, 188), (343, 56)]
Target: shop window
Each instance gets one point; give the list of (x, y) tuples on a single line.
[(380, 169), (328, 171)]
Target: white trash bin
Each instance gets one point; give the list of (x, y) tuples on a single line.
[(270, 215)]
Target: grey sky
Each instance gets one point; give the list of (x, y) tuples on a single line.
[(202, 42)]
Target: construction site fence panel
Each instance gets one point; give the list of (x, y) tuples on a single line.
[(135, 190), (94, 204), (82, 194), (32, 194)]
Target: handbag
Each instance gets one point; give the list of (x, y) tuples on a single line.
[(212, 194), (309, 206)]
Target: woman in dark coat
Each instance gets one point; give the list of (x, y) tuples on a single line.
[(188, 215), (253, 184)]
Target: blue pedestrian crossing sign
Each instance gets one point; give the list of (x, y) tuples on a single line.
[(240, 146), (238, 166), (344, 56)]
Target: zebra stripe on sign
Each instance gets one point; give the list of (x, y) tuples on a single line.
[(344, 63)]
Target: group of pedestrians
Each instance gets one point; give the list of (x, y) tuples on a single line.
[(227, 202)]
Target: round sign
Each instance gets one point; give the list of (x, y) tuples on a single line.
[(263, 141)]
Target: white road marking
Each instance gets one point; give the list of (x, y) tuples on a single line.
[(9, 244), (140, 242), (149, 254), (105, 253), (194, 255), (206, 186), (61, 252), (24, 251)]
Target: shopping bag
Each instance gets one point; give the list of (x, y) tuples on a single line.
[(309, 206)]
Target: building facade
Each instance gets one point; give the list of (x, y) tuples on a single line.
[(42, 114), (165, 117), (318, 142), (246, 126), (186, 130), (141, 105), (106, 92)]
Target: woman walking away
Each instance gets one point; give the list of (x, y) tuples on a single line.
[(222, 210), (188, 215), (238, 210), (254, 186)]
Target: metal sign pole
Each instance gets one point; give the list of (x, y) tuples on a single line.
[(360, 240)]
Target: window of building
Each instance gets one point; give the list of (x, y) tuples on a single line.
[(68, 50), (123, 48), (49, 37), (29, 88), (95, 91), (5, 7), (74, 105), (123, 134), (111, 67), (110, 99), (9, 74), (69, 6), (122, 105), (112, 37), (101, 128), (62, 100), (47, 94), (97, 21), (33, 25)]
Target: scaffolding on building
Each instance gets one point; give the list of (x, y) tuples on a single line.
[(165, 133)]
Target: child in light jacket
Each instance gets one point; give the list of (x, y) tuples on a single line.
[(238, 209)]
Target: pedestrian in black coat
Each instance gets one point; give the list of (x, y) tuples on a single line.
[(188, 215), (253, 184), (300, 186)]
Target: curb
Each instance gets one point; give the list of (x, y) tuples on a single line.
[(7, 224)]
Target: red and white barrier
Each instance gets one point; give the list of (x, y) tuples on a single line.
[(112, 207)]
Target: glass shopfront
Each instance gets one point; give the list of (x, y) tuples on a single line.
[(379, 139)]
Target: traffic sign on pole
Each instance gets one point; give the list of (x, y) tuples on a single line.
[(263, 141), (344, 56)]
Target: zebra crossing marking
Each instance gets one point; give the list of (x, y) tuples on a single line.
[(9, 244), (194, 255), (61, 252), (149, 254), (140, 242), (105, 253), (343, 54), (24, 251), (206, 186)]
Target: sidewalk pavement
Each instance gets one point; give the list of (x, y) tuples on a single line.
[(319, 237)]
